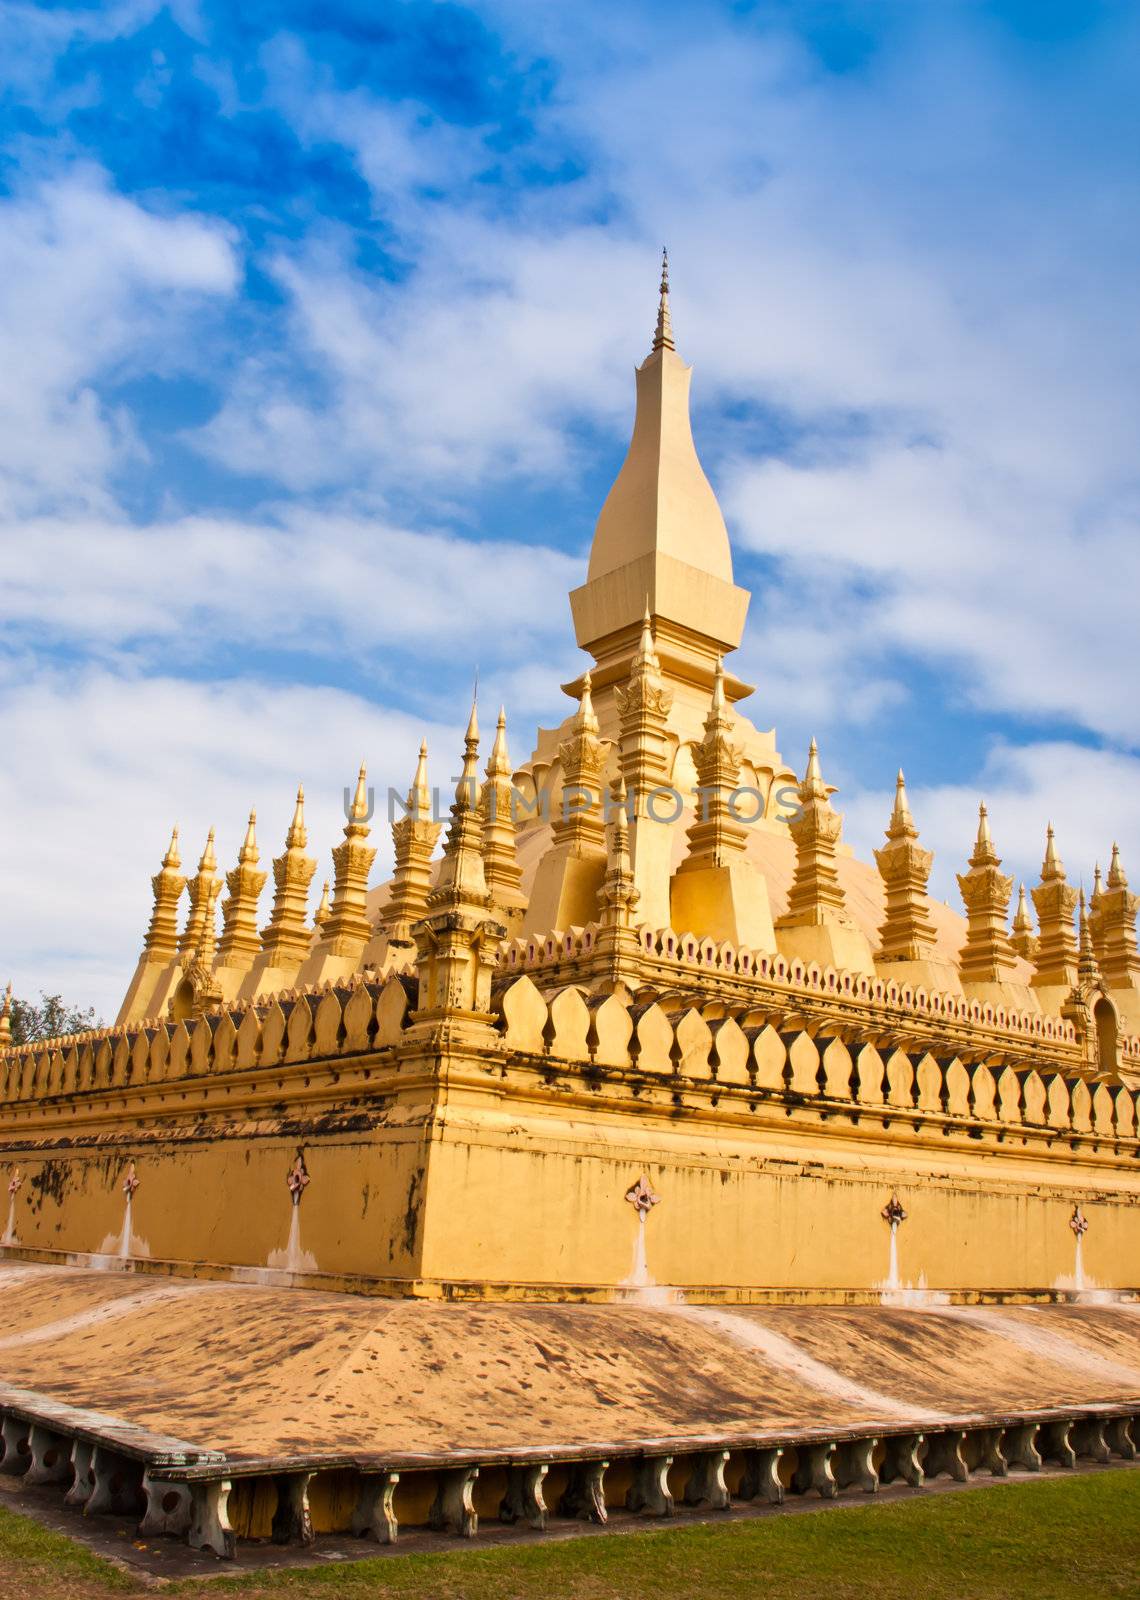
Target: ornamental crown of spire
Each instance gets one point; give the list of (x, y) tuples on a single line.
[(358, 813), (1088, 971), (419, 794), (249, 855), (209, 860), (499, 761), (984, 853), (465, 789), (646, 657), (1116, 877), (902, 824), (587, 718), (813, 786), (663, 334), (1052, 868)]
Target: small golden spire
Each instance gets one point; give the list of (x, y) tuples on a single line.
[(1058, 952), (619, 891), (285, 939), (813, 785), (646, 649), (349, 926), (208, 938), (462, 877), (1052, 866), (297, 837), (587, 718), (1024, 940), (6, 1018), (499, 761), (988, 954), (901, 825), (619, 895), (663, 335), (620, 824), (414, 837), (1088, 972), (419, 795), (815, 896), (984, 852), (501, 869), (161, 939), (323, 911), (238, 946), (1098, 886), (579, 828), (360, 798), (1116, 878), (1112, 923), (466, 790), (716, 836), (984, 835), (907, 933), (201, 887), (249, 854), (719, 702)]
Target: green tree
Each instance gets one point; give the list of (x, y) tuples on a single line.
[(50, 1019)]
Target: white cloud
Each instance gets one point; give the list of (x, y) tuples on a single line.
[(322, 584), (472, 371), (33, 37), (88, 280), (1030, 595)]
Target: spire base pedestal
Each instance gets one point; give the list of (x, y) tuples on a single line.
[(828, 944), (921, 972), (565, 890), (723, 902), (697, 617)]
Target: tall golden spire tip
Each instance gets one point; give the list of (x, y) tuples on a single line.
[(663, 335)]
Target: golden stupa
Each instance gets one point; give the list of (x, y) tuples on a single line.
[(644, 1033)]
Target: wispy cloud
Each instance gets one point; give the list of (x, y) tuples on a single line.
[(90, 284)]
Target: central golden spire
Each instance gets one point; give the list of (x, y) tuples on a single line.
[(661, 534)]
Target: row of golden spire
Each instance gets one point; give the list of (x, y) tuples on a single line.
[(901, 832)]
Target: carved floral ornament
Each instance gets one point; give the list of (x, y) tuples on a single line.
[(298, 1179), (641, 1197), (15, 1183), (1079, 1222), (130, 1182), (893, 1212)]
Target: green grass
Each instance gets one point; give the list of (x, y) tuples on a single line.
[(34, 1561), (1054, 1539)]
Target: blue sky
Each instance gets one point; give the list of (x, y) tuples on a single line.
[(317, 328)]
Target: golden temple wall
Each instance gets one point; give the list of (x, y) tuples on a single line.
[(773, 1137)]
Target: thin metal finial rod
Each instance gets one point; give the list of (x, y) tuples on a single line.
[(663, 335)]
